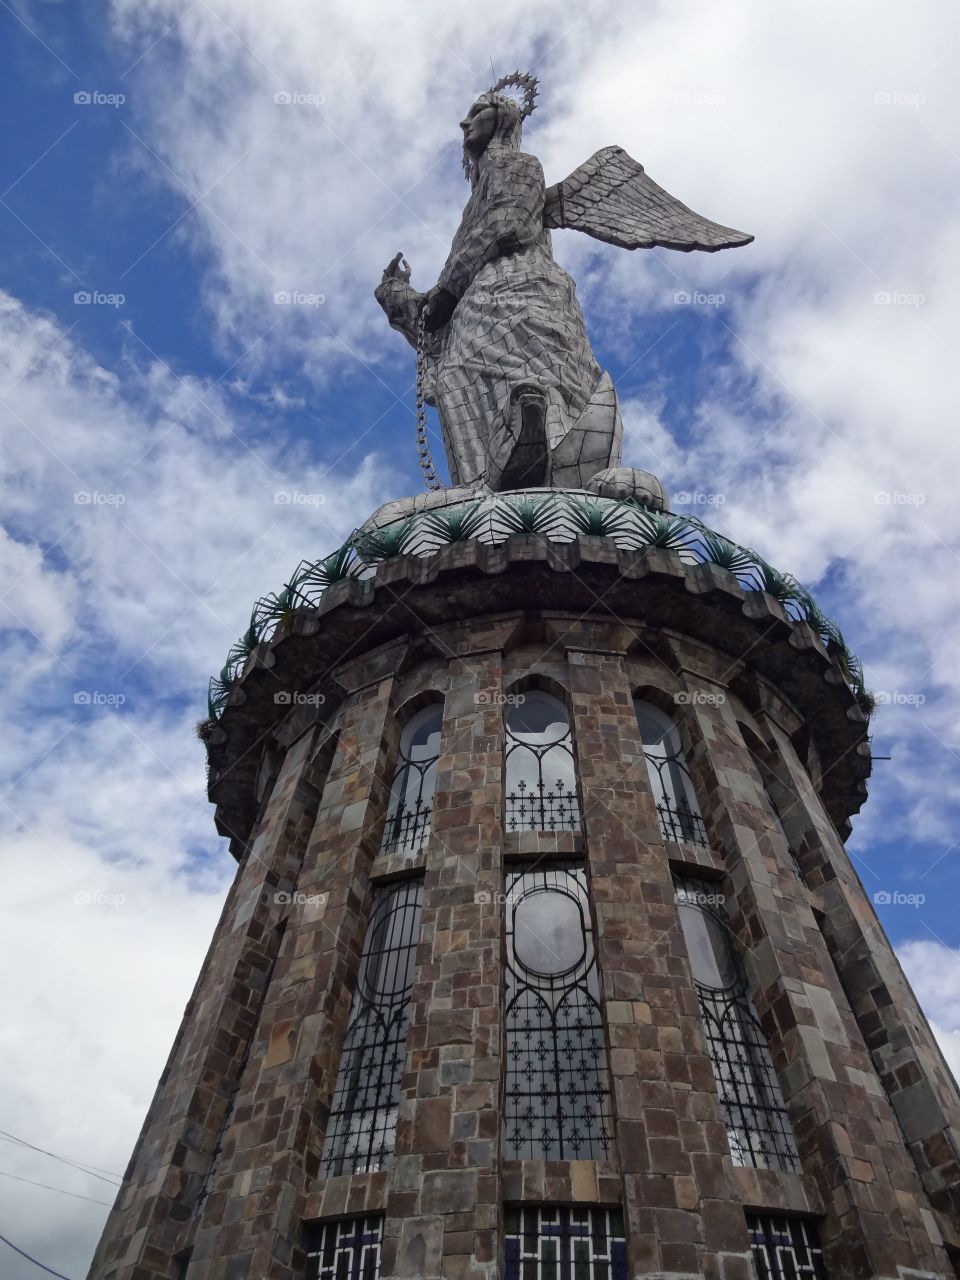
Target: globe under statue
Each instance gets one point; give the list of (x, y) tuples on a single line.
[(505, 356)]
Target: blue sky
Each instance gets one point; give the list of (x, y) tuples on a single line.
[(812, 405)]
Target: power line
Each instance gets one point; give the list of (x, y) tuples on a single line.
[(94, 1170), (46, 1186), (49, 1270)]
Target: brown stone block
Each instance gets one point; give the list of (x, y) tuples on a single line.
[(724, 1226), (431, 1125), (449, 1191)]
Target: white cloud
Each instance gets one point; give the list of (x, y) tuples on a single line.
[(933, 969)]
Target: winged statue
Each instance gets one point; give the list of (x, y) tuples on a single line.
[(503, 353)]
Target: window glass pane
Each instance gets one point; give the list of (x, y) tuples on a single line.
[(677, 808), (557, 1083), (557, 1243), (348, 1250), (363, 1115), (751, 1101), (414, 782), (785, 1248), (541, 779)]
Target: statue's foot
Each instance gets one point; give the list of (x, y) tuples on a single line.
[(527, 465)]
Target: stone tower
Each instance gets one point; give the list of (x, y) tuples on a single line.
[(543, 947)]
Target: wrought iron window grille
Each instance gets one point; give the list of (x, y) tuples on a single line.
[(557, 1243), (535, 808), (363, 1115), (680, 823), (678, 814), (557, 1095), (541, 790), (751, 1101), (410, 811), (345, 1250), (785, 1248)]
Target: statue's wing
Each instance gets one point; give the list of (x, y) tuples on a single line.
[(611, 198)]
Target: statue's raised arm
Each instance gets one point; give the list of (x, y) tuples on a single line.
[(521, 399)]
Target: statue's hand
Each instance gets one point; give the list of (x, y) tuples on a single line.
[(396, 269), (439, 306)]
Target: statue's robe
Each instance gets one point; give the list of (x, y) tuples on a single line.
[(517, 322)]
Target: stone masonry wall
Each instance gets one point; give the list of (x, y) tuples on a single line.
[(227, 1169)]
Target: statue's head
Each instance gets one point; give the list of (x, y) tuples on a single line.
[(496, 118)]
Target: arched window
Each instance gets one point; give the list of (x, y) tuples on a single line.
[(415, 780), (758, 1126), (676, 801), (541, 779), (557, 1081), (363, 1115)]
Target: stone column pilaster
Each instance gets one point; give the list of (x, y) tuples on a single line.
[(443, 1205)]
